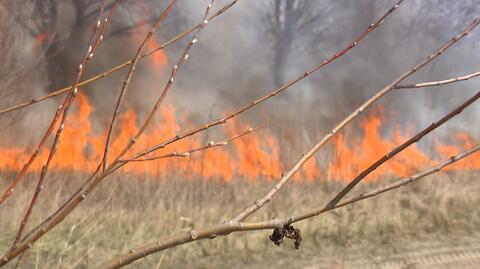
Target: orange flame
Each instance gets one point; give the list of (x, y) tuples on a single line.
[(250, 157), (471, 163), (41, 38), (80, 149), (350, 159), (157, 59)]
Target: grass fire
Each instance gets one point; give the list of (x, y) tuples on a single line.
[(232, 134)]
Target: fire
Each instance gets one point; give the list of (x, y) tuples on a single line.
[(80, 149), (351, 160), (250, 157), (352, 157), (471, 163), (158, 59), (41, 38)]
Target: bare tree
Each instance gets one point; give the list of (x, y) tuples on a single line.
[(58, 26), (292, 26)]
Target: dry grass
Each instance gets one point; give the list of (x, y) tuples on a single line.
[(130, 210)]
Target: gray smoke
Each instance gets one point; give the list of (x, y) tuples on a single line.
[(235, 57), (234, 63)]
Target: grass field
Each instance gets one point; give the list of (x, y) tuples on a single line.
[(130, 210)]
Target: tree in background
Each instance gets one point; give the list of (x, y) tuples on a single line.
[(292, 26)]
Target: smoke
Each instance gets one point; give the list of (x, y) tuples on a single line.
[(22, 70), (233, 63)]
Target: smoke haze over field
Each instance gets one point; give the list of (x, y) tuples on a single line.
[(237, 59), (247, 120)]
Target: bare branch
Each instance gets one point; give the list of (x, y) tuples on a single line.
[(229, 227), (94, 43), (182, 60), (286, 176), (129, 76), (61, 109), (437, 83), (118, 67), (400, 148), (409, 179), (273, 92), (81, 194), (209, 145)]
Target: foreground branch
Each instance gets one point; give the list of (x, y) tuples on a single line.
[(91, 184), (227, 228), (400, 148), (409, 179), (118, 67), (209, 145), (438, 83), (286, 176), (273, 92), (94, 43), (128, 78)]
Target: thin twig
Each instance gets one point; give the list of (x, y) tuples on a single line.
[(65, 246), (400, 148), (55, 119), (185, 154), (93, 45), (230, 227), (182, 60), (129, 76), (286, 176), (118, 67), (10, 189), (79, 196), (273, 92), (437, 83), (409, 179)]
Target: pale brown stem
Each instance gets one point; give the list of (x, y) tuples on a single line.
[(273, 92), (185, 154), (182, 60), (229, 227), (65, 246), (409, 179), (286, 176), (59, 111), (400, 148), (128, 78), (55, 93), (389, 187), (93, 45), (10, 189), (437, 83), (20, 260), (79, 196)]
